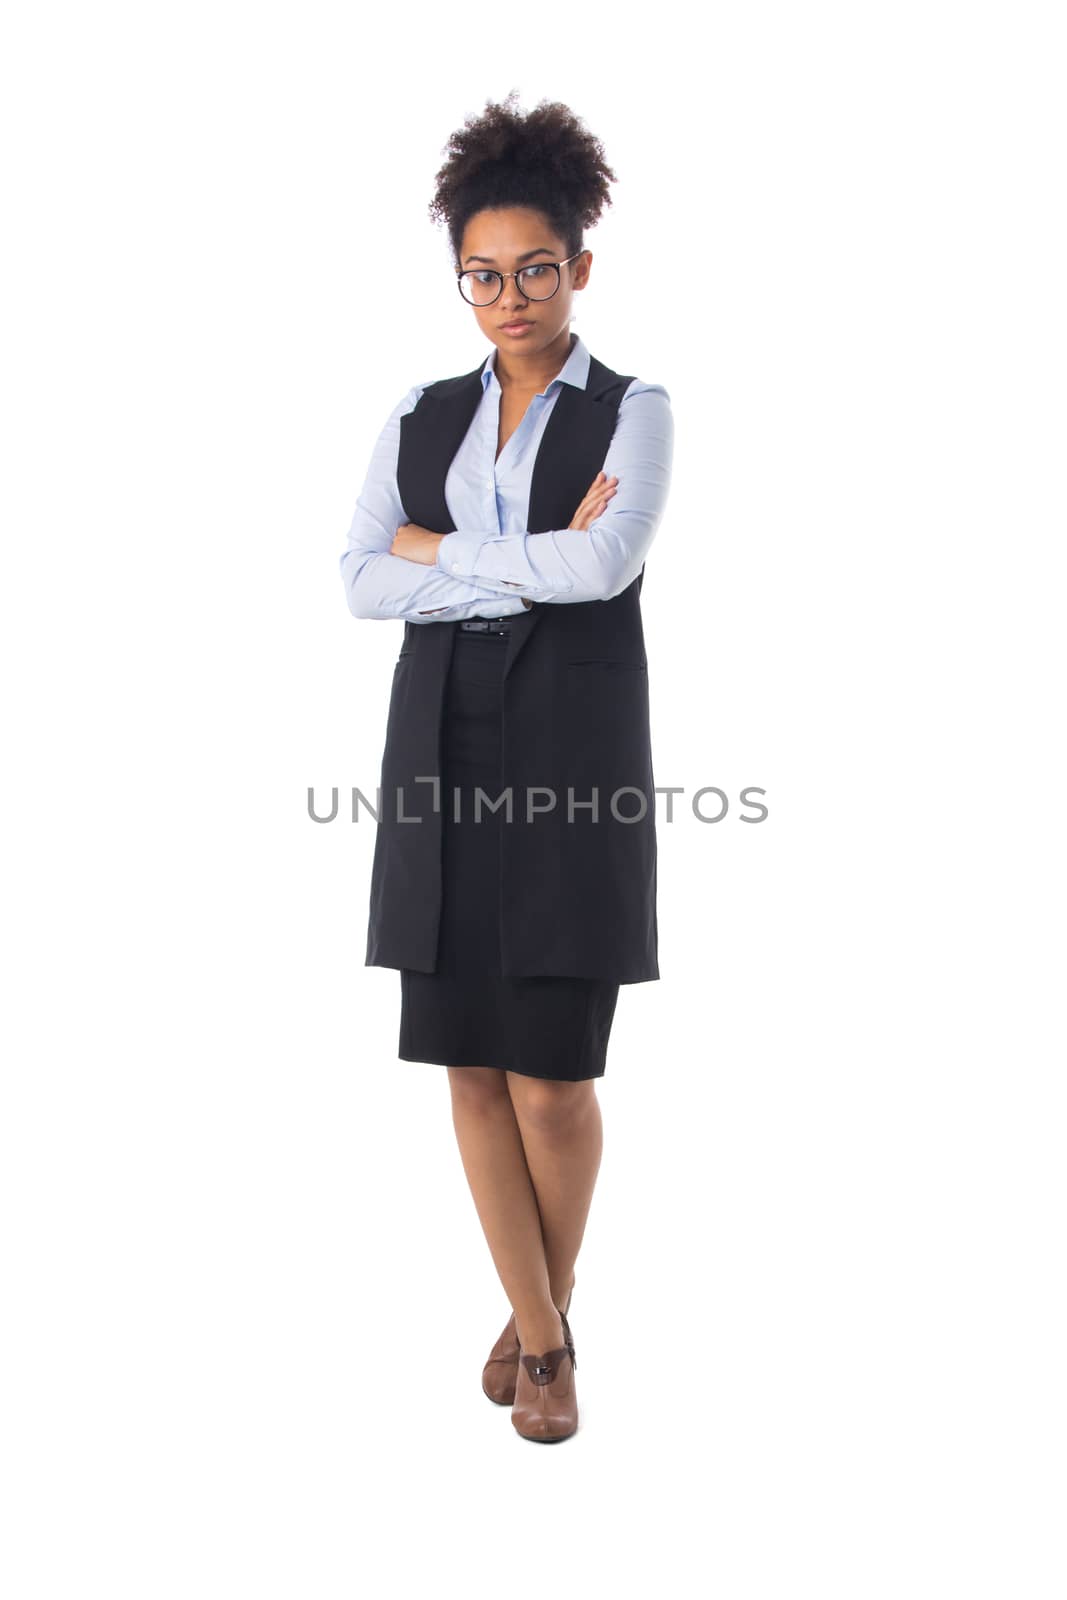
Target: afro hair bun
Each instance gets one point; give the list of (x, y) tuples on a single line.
[(545, 158)]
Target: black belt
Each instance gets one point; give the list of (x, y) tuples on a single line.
[(486, 625)]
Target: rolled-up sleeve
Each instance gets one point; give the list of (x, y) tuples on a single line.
[(570, 565), (380, 585)]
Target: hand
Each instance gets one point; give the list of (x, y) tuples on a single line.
[(595, 503), (413, 543)]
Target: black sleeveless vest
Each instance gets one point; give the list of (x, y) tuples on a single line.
[(578, 885)]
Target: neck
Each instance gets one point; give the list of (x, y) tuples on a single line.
[(534, 371)]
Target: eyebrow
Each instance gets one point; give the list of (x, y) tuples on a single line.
[(542, 250)]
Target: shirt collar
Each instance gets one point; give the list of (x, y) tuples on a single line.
[(575, 370)]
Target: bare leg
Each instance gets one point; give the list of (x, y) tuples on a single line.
[(563, 1137), (494, 1161)]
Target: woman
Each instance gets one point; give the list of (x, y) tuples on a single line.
[(506, 518)]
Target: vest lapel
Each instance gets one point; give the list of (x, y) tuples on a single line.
[(429, 438), (544, 514), (572, 451)]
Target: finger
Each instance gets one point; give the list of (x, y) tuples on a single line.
[(595, 496)]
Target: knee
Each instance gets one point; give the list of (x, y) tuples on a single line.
[(549, 1107), (478, 1089)]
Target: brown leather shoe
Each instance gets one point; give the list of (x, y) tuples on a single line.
[(546, 1404), (498, 1374), (501, 1370)]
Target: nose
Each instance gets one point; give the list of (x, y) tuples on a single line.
[(512, 297)]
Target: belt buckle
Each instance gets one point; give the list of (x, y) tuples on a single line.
[(485, 624)]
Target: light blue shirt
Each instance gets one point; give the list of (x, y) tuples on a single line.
[(491, 561)]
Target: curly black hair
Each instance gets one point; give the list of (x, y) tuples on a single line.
[(546, 159)]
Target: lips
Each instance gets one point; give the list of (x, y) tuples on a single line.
[(514, 327)]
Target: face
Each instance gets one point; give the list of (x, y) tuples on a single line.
[(508, 239)]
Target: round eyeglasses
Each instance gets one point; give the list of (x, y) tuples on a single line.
[(480, 286)]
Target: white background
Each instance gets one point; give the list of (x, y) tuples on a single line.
[(819, 1312)]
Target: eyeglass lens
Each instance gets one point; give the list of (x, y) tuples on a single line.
[(538, 282)]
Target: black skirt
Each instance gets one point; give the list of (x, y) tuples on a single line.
[(466, 1014)]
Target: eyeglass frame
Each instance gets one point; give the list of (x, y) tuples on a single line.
[(503, 276)]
